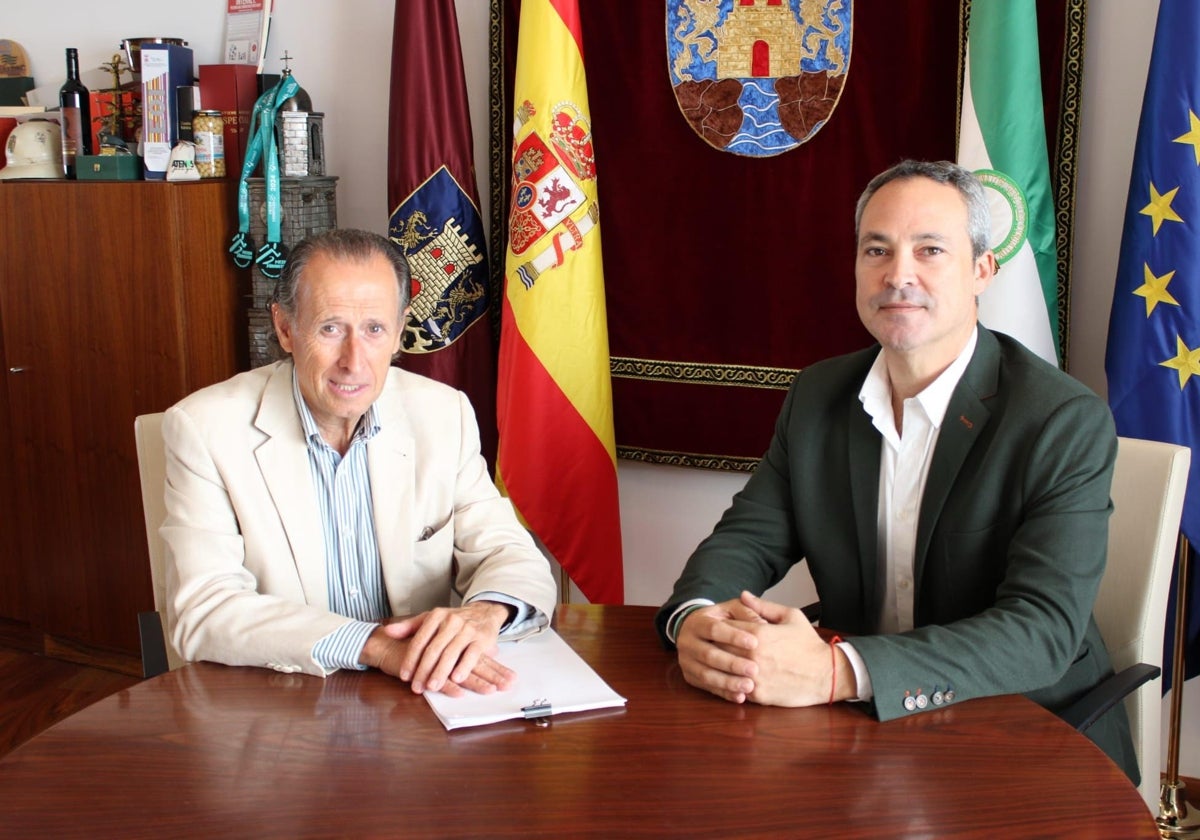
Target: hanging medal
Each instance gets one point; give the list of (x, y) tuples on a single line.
[(270, 258)]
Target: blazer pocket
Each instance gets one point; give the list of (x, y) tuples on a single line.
[(435, 546), (970, 545)]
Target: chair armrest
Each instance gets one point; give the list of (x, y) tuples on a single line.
[(154, 646), (1104, 695)]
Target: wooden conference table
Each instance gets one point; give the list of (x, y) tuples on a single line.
[(212, 750)]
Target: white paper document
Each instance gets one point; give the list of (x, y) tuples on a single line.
[(548, 672)]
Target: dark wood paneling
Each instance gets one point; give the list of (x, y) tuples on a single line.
[(13, 605), (118, 299)]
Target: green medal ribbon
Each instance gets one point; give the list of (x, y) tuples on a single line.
[(270, 258)]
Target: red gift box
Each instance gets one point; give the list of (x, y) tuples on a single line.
[(231, 89)]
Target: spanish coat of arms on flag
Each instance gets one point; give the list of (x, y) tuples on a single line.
[(547, 188)]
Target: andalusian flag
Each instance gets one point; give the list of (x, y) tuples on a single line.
[(1003, 140), (557, 460)]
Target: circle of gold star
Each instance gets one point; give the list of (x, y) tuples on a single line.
[(1154, 289), (1185, 361), (1159, 209)]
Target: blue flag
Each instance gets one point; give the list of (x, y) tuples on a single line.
[(1153, 357)]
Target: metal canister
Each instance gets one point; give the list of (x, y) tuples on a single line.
[(208, 130)]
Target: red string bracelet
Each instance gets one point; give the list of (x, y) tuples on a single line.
[(833, 666)]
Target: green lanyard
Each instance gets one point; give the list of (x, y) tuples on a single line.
[(271, 257)]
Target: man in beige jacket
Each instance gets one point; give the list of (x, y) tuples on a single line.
[(325, 511)]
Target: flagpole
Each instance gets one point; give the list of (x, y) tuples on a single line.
[(564, 586), (1172, 798)]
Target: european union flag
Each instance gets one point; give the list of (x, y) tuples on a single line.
[(1153, 358)]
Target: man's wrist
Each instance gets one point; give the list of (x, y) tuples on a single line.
[(844, 680), (499, 614), (859, 679), (675, 624), (514, 609), (372, 650), (343, 647)]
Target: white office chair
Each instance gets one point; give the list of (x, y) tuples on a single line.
[(1148, 489), (158, 654)]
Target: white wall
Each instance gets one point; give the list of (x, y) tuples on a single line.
[(1120, 34), (341, 57)]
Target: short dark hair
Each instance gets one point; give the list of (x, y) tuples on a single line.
[(979, 218), (343, 244)]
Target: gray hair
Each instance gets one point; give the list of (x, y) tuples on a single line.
[(343, 245), (979, 219)]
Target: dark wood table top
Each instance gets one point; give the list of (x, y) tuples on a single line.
[(213, 750)]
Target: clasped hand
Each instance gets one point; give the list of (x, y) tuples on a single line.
[(446, 649), (751, 649)]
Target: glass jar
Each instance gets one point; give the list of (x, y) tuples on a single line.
[(208, 131)]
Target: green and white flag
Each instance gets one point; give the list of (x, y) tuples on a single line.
[(1002, 139)]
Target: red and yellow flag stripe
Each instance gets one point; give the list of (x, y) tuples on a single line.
[(557, 454)]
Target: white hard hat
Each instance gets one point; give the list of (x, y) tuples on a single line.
[(34, 150)]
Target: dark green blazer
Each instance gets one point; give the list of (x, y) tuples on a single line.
[(1011, 542)]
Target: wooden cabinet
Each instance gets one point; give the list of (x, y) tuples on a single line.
[(12, 572), (116, 299)]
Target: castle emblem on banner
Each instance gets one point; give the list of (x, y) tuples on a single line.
[(758, 77), (553, 207), (439, 230)]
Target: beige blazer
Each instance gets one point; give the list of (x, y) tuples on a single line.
[(245, 551)]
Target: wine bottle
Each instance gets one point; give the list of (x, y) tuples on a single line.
[(75, 109)]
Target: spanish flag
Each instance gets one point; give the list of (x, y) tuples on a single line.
[(557, 454)]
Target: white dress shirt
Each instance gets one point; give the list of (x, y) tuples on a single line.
[(903, 469)]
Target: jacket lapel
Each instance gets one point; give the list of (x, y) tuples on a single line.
[(391, 464), (865, 446), (283, 462), (966, 417)]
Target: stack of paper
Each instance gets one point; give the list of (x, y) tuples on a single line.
[(548, 672)]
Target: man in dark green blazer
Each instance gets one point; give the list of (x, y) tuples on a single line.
[(948, 488)]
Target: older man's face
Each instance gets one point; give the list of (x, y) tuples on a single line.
[(346, 332)]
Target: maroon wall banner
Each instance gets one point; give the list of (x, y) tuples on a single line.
[(726, 273), (433, 215)]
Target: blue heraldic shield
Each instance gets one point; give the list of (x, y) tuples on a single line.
[(439, 230)]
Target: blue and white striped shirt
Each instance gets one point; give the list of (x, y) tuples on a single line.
[(353, 575)]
